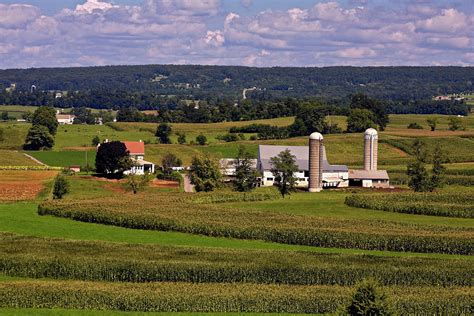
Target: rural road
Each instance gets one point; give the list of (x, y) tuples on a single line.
[(35, 160), (188, 187)]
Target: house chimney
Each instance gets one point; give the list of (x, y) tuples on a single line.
[(315, 162), (370, 149)]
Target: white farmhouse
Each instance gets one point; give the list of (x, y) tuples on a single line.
[(65, 119), (136, 150), (334, 176)]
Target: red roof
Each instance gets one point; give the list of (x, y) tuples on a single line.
[(135, 148)]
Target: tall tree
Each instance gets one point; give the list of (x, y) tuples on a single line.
[(310, 118), (163, 132), (245, 173), (359, 120), (46, 116), (419, 178), (138, 182), (113, 159), (181, 138), (60, 187), (455, 124), (438, 170), (284, 168), (362, 101), (38, 137), (205, 173)]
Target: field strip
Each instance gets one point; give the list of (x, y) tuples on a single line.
[(35, 160)]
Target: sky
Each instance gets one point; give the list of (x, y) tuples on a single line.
[(262, 33)]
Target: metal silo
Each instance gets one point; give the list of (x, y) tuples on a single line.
[(315, 162), (370, 149)]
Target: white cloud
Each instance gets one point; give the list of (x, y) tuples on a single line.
[(188, 31)]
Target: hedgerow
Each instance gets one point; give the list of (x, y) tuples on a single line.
[(438, 204), (101, 261), (177, 212), (223, 297)]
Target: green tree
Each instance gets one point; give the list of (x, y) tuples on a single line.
[(309, 118), (113, 159), (38, 137), (2, 135), (95, 140), (245, 173), (163, 132), (414, 125), (168, 162), (4, 116), (138, 182), (455, 124), (201, 139), (419, 179), (432, 122), (181, 138), (60, 187), (362, 101), (368, 299), (438, 171), (283, 169), (45, 116), (205, 173), (359, 120)]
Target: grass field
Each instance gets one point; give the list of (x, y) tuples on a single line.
[(15, 158), (65, 158)]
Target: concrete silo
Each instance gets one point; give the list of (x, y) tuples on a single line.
[(315, 162), (370, 149)]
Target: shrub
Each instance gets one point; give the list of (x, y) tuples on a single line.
[(369, 300), (60, 187), (414, 126), (201, 139)]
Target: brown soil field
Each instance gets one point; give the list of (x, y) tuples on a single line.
[(20, 185)]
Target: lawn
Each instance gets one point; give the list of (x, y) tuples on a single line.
[(65, 158), (15, 158)]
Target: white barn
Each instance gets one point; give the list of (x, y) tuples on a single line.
[(334, 176)]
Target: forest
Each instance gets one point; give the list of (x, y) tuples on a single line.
[(201, 82)]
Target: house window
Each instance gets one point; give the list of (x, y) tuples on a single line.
[(269, 179), (301, 179)]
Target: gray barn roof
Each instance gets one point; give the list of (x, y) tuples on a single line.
[(265, 152), (368, 175)]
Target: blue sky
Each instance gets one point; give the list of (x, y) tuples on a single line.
[(39, 33)]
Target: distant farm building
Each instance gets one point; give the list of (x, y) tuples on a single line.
[(370, 177), (228, 168), (65, 119), (75, 168), (335, 176)]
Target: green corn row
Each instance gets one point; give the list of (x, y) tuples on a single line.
[(188, 297), (178, 213), (437, 204)]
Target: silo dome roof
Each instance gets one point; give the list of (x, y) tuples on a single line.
[(316, 135), (371, 131)]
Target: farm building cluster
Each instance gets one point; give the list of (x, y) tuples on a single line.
[(314, 170)]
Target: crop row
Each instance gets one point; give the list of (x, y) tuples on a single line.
[(402, 178), (101, 261), (437, 204), (168, 212), (224, 297), (225, 197), (36, 168)]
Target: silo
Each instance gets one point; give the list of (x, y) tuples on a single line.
[(315, 162), (370, 149)]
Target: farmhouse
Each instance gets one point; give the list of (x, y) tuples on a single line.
[(332, 175), (136, 150), (65, 119)]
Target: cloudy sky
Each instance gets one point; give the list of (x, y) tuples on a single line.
[(47, 33)]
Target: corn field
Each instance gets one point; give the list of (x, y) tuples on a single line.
[(178, 212)]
